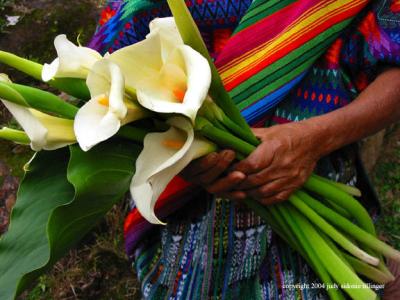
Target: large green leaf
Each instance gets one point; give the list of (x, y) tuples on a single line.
[(100, 178), (24, 247)]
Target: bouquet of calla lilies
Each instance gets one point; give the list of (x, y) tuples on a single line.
[(148, 110)]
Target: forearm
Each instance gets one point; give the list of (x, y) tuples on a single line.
[(374, 109)]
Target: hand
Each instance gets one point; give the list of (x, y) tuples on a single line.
[(208, 172), (281, 164)]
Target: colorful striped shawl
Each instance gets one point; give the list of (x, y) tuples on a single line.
[(275, 44)]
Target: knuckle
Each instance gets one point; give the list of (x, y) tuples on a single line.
[(287, 161), (221, 165), (266, 190), (253, 165), (255, 180), (282, 196)]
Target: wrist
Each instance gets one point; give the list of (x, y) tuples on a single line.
[(324, 138)]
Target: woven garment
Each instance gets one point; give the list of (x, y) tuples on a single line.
[(286, 61)]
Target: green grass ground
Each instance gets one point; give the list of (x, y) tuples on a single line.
[(386, 177)]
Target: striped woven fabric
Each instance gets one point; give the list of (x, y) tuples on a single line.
[(275, 44)]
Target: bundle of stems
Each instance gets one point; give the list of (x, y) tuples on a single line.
[(336, 248)]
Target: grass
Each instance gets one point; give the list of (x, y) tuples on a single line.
[(15, 157), (387, 182), (97, 269)]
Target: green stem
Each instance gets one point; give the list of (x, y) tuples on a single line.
[(222, 138), (311, 249), (357, 233), (340, 272), (296, 241), (351, 190), (340, 210), (9, 94), (286, 229), (26, 66), (368, 271), (40, 100), (15, 136), (239, 131), (331, 231), (358, 212), (335, 249), (73, 86)]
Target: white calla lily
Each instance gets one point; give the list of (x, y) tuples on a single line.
[(164, 155), (102, 116), (168, 76), (44, 131), (72, 61)]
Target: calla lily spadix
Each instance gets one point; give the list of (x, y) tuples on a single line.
[(164, 155), (168, 76), (72, 61), (44, 131), (108, 109)]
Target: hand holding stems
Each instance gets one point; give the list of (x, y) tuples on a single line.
[(281, 164)]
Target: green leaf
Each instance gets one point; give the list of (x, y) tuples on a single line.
[(50, 218), (24, 247)]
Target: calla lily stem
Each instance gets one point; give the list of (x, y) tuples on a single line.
[(358, 212), (40, 100), (331, 231), (222, 138), (313, 256), (15, 136), (340, 272), (351, 190), (72, 86), (303, 199)]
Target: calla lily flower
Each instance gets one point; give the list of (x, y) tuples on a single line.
[(164, 155), (109, 108), (168, 76), (44, 131), (72, 61)]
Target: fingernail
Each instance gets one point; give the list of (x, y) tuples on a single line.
[(239, 175), (213, 156)]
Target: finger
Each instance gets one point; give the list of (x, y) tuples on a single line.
[(224, 160), (258, 132), (200, 165), (236, 195), (277, 198), (226, 184), (258, 160), (269, 189), (261, 178)]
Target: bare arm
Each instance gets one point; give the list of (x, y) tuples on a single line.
[(374, 109)]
